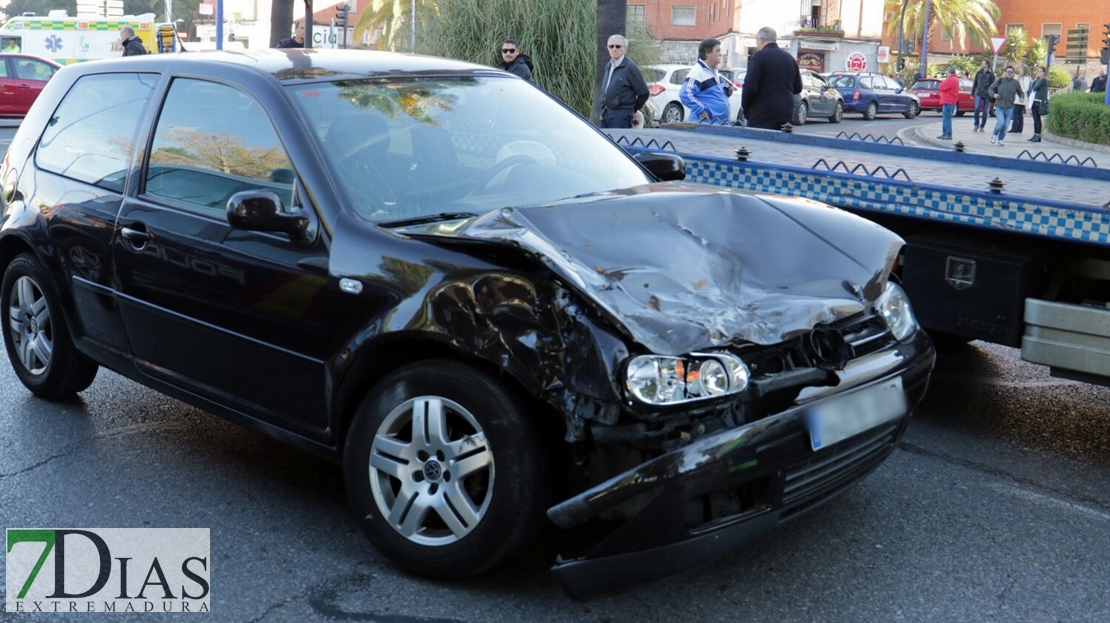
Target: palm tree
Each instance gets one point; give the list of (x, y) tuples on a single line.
[(394, 20), (281, 20), (976, 19)]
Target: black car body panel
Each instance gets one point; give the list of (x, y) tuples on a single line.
[(286, 334)]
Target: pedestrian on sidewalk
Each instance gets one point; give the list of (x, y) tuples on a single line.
[(949, 95), (704, 91), (1037, 95), (980, 87), (1098, 85), (1022, 76), (772, 81), (1003, 92), (624, 90)]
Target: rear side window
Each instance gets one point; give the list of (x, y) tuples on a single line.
[(91, 135), (212, 141), (865, 82), (679, 76), (652, 75)]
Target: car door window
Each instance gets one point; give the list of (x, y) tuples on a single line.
[(34, 70), (212, 141), (90, 136), (4, 69)]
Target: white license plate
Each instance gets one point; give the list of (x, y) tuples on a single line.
[(841, 417)]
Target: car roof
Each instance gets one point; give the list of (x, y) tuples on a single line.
[(293, 65), (28, 56)]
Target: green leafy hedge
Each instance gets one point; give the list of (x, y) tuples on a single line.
[(1082, 116)]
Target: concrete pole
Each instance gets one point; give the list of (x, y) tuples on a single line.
[(925, 41)]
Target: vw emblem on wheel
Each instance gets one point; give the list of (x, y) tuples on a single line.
[(433, 470)]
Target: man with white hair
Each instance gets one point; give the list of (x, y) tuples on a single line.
[(132, 45), (772, 81), (623, 89)]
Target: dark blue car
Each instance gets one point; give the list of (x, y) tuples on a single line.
[(874, 94)]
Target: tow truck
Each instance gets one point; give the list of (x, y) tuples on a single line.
[(1009, 251)]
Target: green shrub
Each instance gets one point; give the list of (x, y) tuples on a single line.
[(1058, 77), (1082, 116)]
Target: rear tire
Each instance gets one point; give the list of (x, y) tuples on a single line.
[(445, 470), (38, 341), (871, 112), (838, 113), (673, 113)]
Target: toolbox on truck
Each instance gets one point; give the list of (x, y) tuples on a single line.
[(973, 293)]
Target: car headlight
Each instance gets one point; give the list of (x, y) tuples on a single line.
[(893, 306), (664, 380)]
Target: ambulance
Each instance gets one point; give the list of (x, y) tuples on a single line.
[(67, 40)]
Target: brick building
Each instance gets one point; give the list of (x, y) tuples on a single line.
[(825, 33), (1078, 23)]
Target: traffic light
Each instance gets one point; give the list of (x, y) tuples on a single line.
[(901, 63), (1104, 53), (1052, 41), (341, 13)]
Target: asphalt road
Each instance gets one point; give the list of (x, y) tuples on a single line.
[(996, 507)]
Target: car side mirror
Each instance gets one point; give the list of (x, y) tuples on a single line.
[(665, 167), (262, 210)]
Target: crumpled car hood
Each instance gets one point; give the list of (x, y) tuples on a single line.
[(682, 268)]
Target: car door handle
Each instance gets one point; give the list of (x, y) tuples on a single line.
[(136, 238)]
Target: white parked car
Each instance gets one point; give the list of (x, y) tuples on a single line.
[(664, 82)]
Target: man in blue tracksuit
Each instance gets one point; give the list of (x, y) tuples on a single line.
[(704, 91)]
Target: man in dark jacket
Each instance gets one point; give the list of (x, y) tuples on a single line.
[(514, 61), (1098, 85), (772, 81), (132, 45), (980, 88), (623, 88), (297, 40)]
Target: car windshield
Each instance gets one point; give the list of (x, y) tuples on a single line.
[(842, 81), (409, 149)]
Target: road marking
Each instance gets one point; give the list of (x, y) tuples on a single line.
[(1045, 500)]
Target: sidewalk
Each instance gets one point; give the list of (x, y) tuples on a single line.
[(980, 142)]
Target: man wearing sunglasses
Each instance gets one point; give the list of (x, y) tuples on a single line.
[(623, 88), (514, 61), (1004, 92)]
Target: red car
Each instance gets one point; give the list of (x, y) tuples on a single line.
[(926, 91), (22, 78)]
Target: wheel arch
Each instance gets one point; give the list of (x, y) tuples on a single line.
[(374, 364)]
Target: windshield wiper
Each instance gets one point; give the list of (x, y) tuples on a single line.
[(433, 218)]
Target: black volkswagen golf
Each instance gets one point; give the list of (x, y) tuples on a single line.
[(441, 278)]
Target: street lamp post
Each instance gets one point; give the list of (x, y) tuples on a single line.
[(901, 28), (925, 41)]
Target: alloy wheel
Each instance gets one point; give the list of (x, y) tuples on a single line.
[(431, 471), (29, 323)]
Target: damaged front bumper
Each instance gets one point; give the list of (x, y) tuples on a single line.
[(707, 498)]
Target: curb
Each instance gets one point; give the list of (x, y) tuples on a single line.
[(1072, 142)]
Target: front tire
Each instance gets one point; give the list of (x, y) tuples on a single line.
[(802, 114), (445, 470), (36, 335), (913, 111)]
